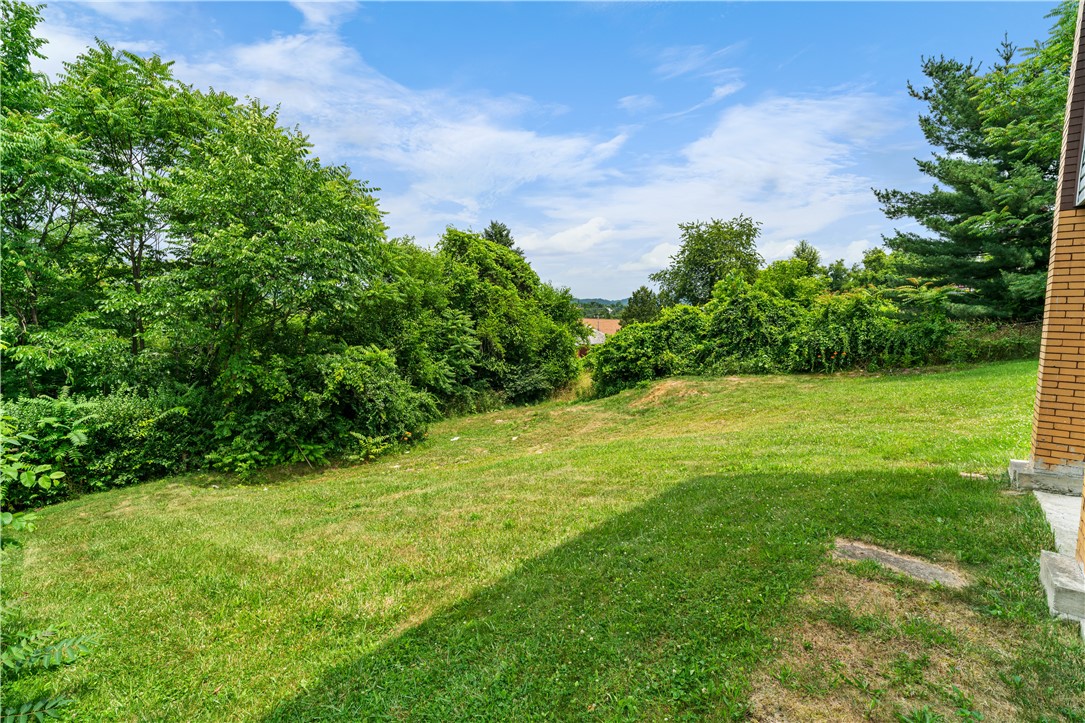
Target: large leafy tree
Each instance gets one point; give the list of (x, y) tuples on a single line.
[(137, 120), (270, 247), (183, 249), (988, 216), (708, 253), (527, 330), (43, 169)]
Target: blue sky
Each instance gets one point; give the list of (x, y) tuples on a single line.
[(592, 130)]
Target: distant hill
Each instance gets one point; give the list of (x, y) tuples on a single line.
[(603, 302), (601, 308)]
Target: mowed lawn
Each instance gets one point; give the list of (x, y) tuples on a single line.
[(648, 556)]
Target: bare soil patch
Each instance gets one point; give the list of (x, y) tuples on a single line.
[(913, 567), (866, 646), (670, 389)]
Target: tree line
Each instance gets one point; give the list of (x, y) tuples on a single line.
[(188, 285), (928, 296), (986, 222)]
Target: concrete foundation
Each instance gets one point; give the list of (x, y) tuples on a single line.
[(1061, 574), (1064, 582), (1061, 479)]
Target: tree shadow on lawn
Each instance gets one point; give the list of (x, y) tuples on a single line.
[(661, 611)]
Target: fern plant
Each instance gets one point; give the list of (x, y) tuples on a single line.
[(24, 651)]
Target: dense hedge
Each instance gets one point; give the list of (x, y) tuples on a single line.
[(745, 328)]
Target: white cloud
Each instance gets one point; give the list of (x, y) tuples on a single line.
[(853, 252), (324, 14), (577, 239), (656, 258), (67, 36), (637, 103), (718, 93), (128, 12), (462, 151), (787, 162), (577, 201)]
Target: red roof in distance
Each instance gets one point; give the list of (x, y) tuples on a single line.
[(604, 326)]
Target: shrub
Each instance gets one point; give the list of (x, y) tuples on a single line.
[(316, 407), (102, 442), (755, 329), (989, 341)]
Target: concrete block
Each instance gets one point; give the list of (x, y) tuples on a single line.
[(1063, 513), (1064, 582), (1064, 481)]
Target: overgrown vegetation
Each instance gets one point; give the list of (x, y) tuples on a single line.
[(187, 289), (547, 561), (997, 135), (789, 321), (186, 280), (25, 650)]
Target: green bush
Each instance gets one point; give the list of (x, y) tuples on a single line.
[(755, 329), (990, 341), (317, 407), (125, 438)]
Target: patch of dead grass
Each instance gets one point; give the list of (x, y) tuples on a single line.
[(869, 647), (670, 389)]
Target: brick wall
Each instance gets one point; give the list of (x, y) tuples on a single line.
[(1058, 430)]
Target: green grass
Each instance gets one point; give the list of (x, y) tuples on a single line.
[(634, 557)]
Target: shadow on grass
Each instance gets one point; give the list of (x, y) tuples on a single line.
[(660, 612)]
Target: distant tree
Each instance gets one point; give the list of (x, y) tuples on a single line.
[(806, 252), (601, 308), (709, 252), (499, 233), (839, 275), (879, 269), (643, 306)]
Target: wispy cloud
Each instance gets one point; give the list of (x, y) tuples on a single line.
[(697, 60), (128, 12), (638, 103), (656, 258), (325, 15), (788, 162), (67, 32), (718, 93), (576, 239)]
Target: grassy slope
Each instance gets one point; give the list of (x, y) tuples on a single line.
[(627, 557)]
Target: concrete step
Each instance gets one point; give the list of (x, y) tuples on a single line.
[(1064, 582)]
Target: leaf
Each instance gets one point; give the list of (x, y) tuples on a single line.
[(38, 710), (32, 652)]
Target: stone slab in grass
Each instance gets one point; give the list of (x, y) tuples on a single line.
[(904, 564)]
